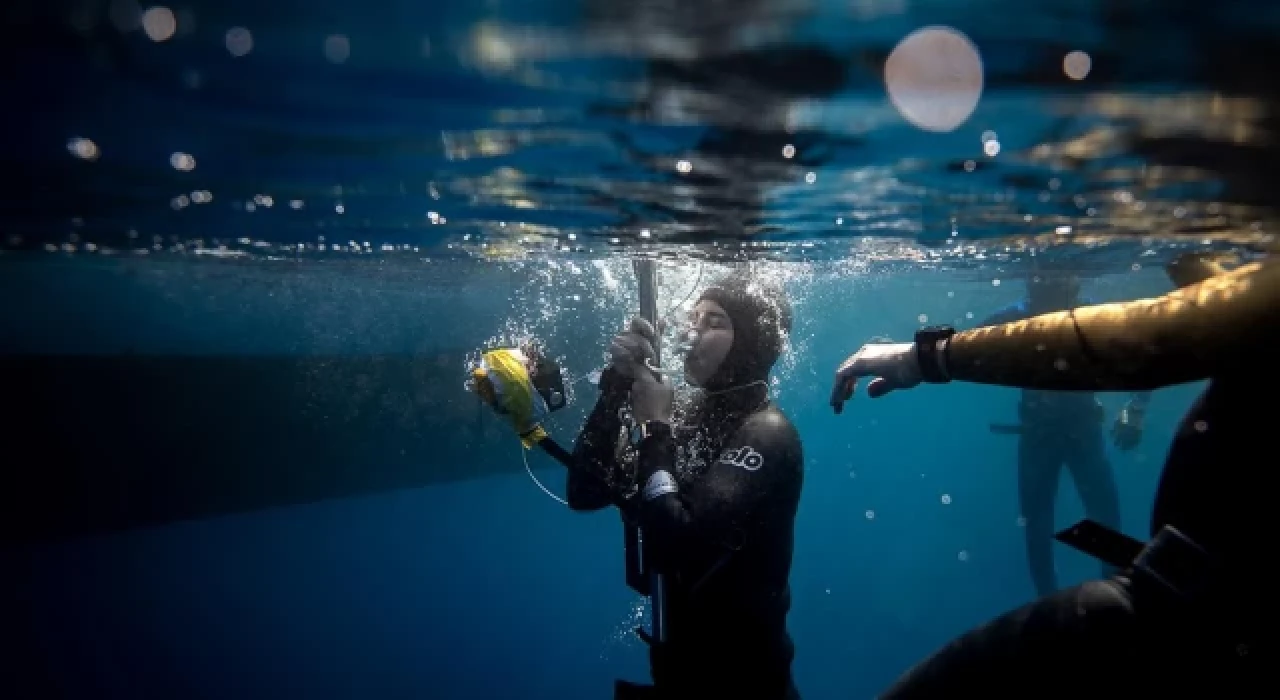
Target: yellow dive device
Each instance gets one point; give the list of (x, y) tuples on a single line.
[(522, 385)]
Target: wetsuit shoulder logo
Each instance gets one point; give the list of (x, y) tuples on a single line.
[(745, 457)]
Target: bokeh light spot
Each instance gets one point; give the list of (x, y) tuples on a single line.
[(934, 78), (159, 24), (83, 148), (239, 41), (184, 162), (1077, 65), (337, 48)]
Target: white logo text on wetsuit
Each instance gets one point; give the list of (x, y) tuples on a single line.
[(745, 457)]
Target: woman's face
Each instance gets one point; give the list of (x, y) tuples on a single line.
[(714, 339)]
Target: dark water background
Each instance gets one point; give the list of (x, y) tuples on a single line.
[(546, 138)]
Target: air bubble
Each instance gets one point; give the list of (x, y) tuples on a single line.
[(184, 162), (337, 48), (239, 41), (83, 148), (159, 24), (1076, 65), (934, 78)]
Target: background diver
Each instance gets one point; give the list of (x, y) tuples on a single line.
[(1059, 428), (1185, 614)]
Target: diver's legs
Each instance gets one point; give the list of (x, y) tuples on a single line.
[(1091, 472), (1039, 464)]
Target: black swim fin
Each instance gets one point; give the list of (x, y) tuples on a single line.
[(1102, 543)]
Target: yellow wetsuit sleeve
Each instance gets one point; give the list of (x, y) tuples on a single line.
[(1222, 324)]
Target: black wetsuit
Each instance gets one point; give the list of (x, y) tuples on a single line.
[(1058, 428), (1126, 636), (723, 540)]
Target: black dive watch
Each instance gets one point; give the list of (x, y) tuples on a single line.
[(931, 355)]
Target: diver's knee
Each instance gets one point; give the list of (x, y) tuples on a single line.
[(1109, 597)]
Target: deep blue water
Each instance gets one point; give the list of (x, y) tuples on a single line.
[(488, 588)]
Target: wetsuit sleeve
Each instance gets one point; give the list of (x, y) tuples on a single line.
[(593, 468), (1224, 323), (1138, 399), (1013, 312), (759, 468)]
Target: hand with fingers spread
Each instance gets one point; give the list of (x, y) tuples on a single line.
[(893, 366), (1126, 432)]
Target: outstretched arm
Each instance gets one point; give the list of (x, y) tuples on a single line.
[(1185, 335)]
